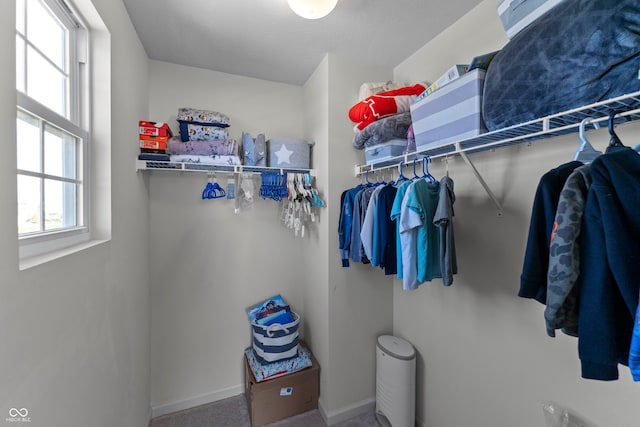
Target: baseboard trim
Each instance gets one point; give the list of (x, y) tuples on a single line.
[(332, 418), (192, 402)]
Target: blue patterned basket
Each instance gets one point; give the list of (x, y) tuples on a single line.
[(277, 341)]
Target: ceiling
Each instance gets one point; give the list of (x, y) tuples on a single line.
[(264, 39)]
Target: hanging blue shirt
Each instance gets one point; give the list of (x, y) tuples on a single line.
[(395, 216), (360, 202), (384, 237), (634, 350), (344, 226), (423, 248)]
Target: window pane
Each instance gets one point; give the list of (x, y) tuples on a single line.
[(20, 64), (59, 153), (46, 33), (28, 142), (59, 204), (20, 16), (45, 83), (28, 204)]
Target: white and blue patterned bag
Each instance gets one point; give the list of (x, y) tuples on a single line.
[(276, 341)]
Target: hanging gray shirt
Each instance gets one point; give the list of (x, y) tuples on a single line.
[(443, 219)]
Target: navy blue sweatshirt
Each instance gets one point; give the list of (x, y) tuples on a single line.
[(610, 276)]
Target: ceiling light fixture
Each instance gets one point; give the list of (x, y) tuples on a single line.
[(312, 9)]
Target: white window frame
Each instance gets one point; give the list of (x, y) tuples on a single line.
[(76, 123)]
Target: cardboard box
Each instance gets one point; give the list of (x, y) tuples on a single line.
[(282, 397), (154, 128), (153, 142)]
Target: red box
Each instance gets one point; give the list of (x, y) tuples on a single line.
[(153, 142), (154, 128)]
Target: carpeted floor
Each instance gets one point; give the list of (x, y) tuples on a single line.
[(234, 412)]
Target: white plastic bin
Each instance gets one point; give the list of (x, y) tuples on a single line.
[(395, 382)]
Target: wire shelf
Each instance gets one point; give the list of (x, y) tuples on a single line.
[(626, 107), (154, 165)]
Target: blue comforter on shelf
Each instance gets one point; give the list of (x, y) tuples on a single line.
[(383, 130), (578, 53)]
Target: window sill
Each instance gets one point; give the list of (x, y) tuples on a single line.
[(35, 261)]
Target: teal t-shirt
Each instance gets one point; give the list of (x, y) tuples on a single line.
[(395, 215), (422, 201)]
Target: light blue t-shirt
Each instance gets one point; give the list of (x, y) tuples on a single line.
[(408, 236), (417, 217), (368, 225), (395, 215)]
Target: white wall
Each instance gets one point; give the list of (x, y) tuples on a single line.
[(316, 291), (360, 297), (483, 355), (207, 263), (75, 331), (353, 305)]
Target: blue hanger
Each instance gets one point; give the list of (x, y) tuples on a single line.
[(425, 170), (415, 175), (212, 190), (401, 177)]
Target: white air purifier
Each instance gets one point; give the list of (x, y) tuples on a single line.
[(395, 382)]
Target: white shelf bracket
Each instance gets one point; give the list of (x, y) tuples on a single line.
[(483, 183)]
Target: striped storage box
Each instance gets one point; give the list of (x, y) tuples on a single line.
[(515, 15), (276, 341), (450, 113)]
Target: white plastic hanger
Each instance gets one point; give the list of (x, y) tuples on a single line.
[(585, 152)]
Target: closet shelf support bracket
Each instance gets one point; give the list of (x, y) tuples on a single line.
[(482, 182)]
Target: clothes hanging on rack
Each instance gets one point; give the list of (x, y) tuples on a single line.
[(360, 204), (443, 219), (634, 351), (368, 223), (593, 264), (345, 223), (609, 283), (384, 235), (533, 281), (396, 209), (418, 235), (370, 231), (564, 254)]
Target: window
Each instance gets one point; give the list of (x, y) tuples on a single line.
[(52, 134)]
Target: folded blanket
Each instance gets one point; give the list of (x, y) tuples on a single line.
[(154, 157), (267, 371), (224, 147), (208, 160), (200, 132), (384, 104), (383, 130), (202, 116), (372, 88)]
